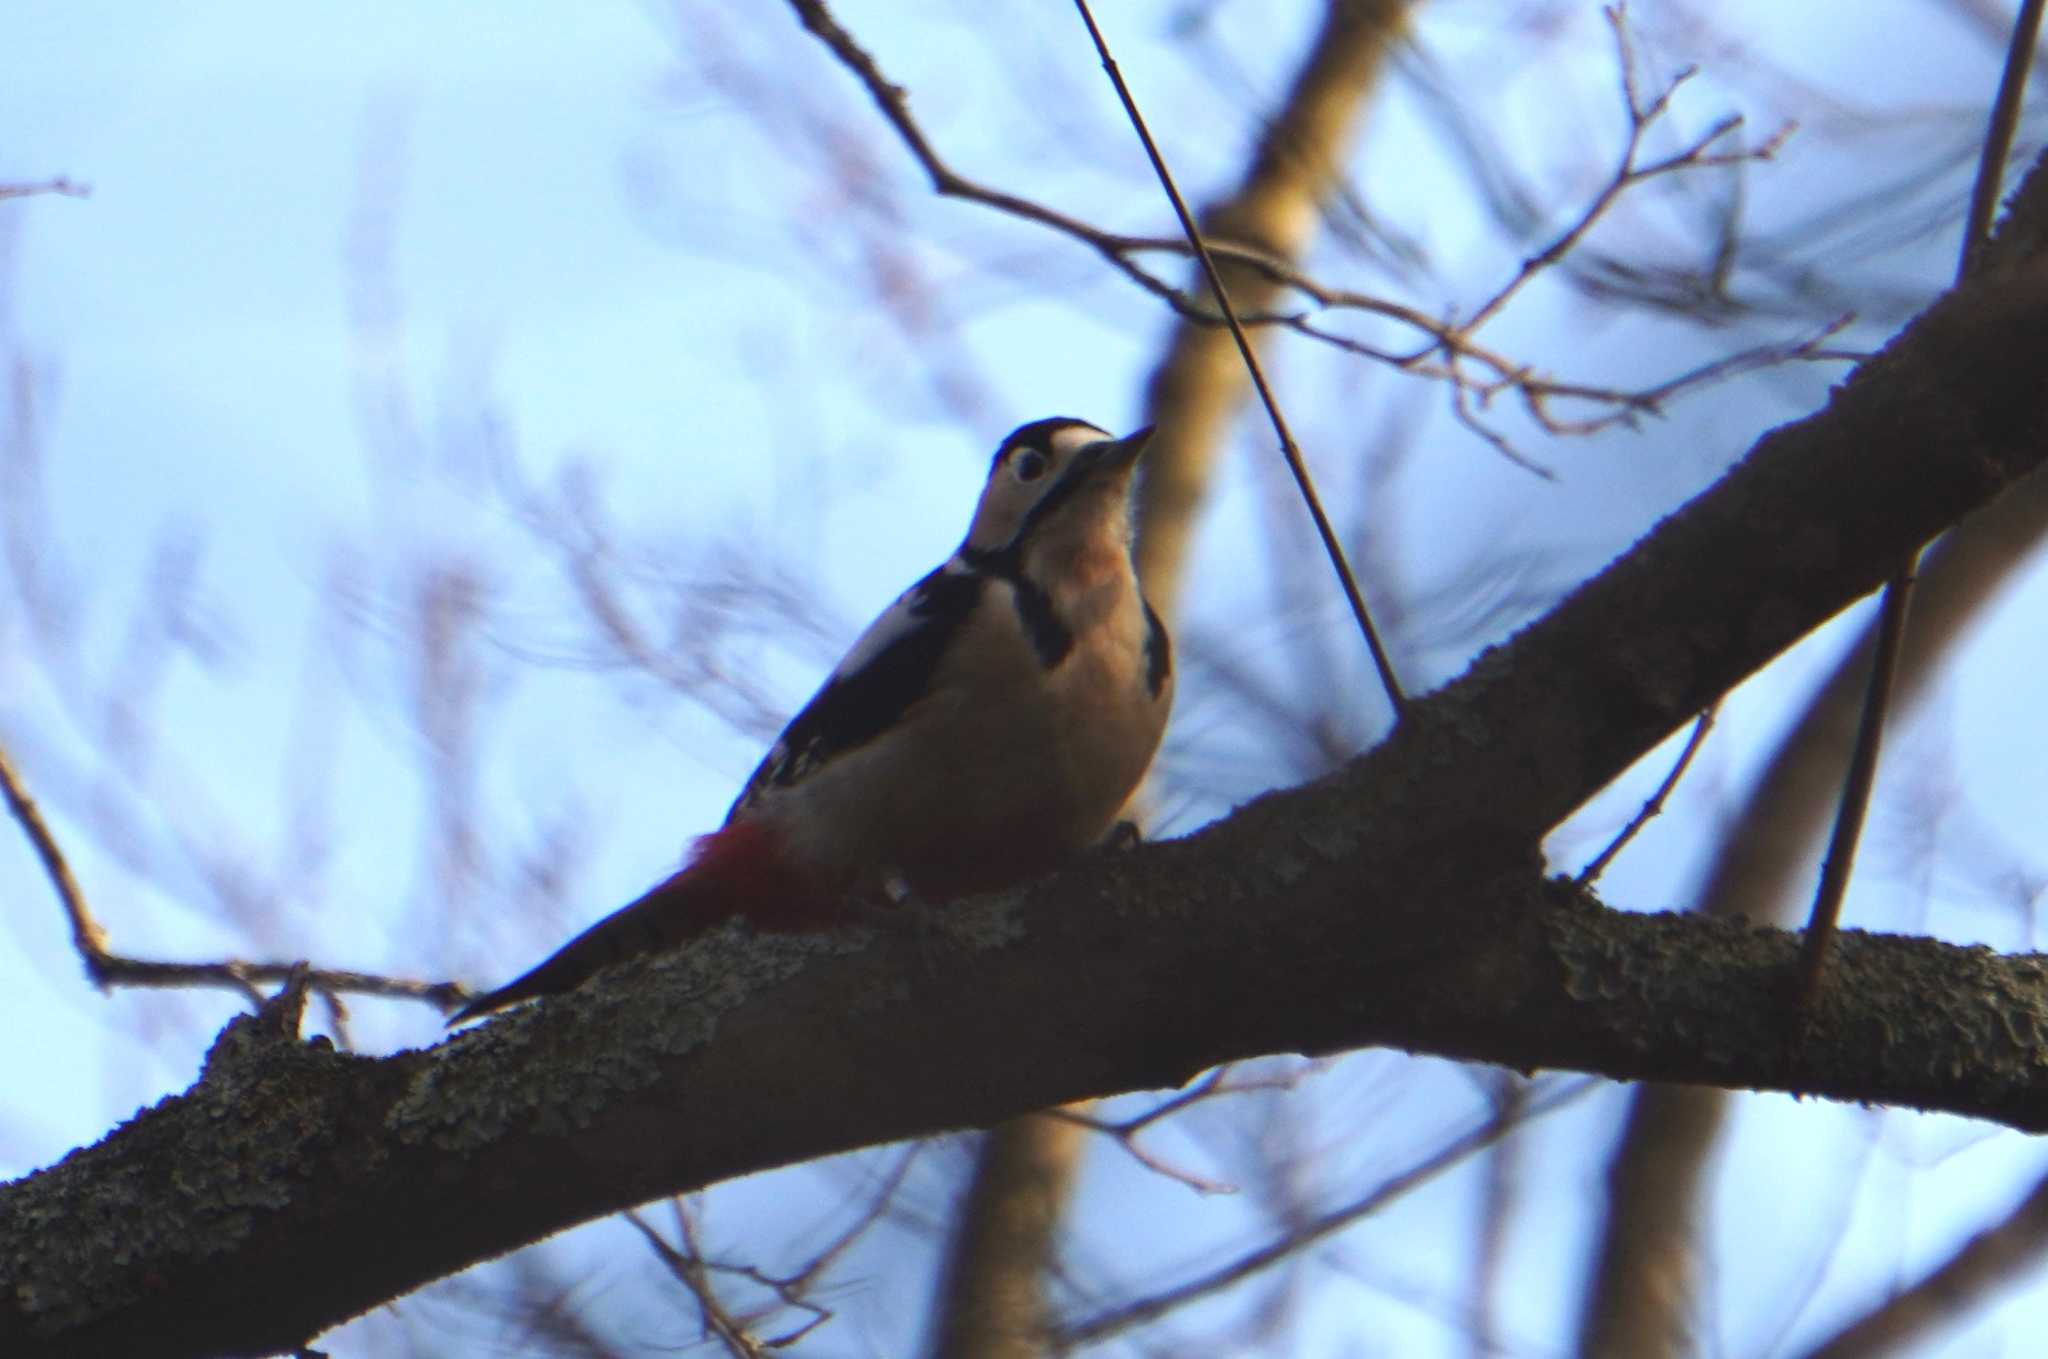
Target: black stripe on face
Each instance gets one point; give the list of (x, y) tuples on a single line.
[(1076, 475), (1051, 639), (1084, 463)]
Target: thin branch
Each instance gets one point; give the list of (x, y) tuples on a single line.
[(1442, 340), (1590, 874), (890, 99), (1640, 116), (108, 969), (1125, 1131), (1288, 448), (1898, 592), (1998, 136), (86, 934), (688, 1267), (235, 974), (1122, 1318), (59, 185), (1856, 786), (792, 1287)]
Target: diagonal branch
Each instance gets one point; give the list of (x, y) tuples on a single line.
[(109, 969), (1992, 1260), (1643, 1283), (1443, 349), (1397, 903), (1898, 591), (61, 186), (1290, 451)]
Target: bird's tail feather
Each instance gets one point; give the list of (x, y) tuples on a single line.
[(733, 871)]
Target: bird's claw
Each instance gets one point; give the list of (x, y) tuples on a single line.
[(1124, 835)]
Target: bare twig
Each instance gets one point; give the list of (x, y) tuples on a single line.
[(1125, 1131), (1632, 169), (104, 967), (797, 1284), (1114, 247), (734, 1331), (59, 185), (108, 969), (688, 1267), (1456, 1152), (232, 973), (1288, 448), (1592, 871), (1898, 592), (1446, 349), (86, 934), (1856, 786)]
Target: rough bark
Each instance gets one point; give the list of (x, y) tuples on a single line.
[(1646, 1282), (1646, 1278), (1398, 902)]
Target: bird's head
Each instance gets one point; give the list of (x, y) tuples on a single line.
[(1057, 481)]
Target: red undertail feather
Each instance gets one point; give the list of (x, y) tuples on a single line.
[(735, 871)]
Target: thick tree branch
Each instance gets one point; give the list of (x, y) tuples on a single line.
[(1395, 903), (1647, 1278)]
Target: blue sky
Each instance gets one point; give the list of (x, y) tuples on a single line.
[(330, 257)]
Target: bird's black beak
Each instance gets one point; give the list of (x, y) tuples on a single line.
[(1121, 453)]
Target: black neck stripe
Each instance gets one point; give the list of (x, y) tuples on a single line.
[(1056, 495), (1050, 637), (1158, 650)]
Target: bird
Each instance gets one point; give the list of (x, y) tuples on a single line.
[(991, 723)]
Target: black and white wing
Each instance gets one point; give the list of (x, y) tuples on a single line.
[(888, 669)]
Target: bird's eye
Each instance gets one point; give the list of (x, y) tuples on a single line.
[(1030, 465)]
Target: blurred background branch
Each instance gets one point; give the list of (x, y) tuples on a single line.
[(425, 488)]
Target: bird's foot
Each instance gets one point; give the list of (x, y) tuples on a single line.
[(900, 911), (1124, 835)]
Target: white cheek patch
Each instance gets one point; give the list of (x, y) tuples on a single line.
[(1006, 500)]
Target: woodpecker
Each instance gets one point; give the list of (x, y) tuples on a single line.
[(989, 724)]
